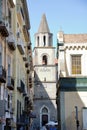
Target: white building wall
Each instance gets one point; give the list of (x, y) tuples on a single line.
[(64, 62), (82, 52), (46, 51)]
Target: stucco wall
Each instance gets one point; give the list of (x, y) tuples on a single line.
[(68, 101)]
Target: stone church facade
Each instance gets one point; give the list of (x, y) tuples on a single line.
[(44, 76)]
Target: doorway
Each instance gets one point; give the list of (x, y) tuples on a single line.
[(44, 119), (44, 116)]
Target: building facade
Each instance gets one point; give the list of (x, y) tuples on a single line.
[(16, 66), (72, 81), (44, 76)]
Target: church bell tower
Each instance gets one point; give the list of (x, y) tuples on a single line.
[(44, 76)]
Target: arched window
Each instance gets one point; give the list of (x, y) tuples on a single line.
[(44, 110), (44, 40), (38, 41), (44, 60)]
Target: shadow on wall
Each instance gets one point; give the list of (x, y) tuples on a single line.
[(44, 102), (72, 97)]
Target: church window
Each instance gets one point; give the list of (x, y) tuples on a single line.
[(76, 64), (44, 110), (44, 60), (44, 40), (38, 41)]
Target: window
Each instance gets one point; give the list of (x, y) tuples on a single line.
[(44, 40), (44, 60), (9, 14), (76, 64), (8, 101), (38, 41), (22, 13), (18, 110), (0, 58), (0, 54), (45, 110), (9, 65)]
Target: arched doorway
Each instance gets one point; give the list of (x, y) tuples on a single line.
[(44, 116)]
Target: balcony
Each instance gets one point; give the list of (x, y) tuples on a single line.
[(11, 41), (3, 29), (24, 57), (21, 86), (2, 74), (26, 33), (29, 47), (30, 85), (10, 83), (28, 71), (30, 82), (20, 46), (26, 64)]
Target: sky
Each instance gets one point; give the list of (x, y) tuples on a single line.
[(68, 15)]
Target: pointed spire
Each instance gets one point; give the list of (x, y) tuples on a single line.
[(43, 28)]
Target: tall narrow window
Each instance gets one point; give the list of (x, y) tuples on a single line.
[(9, 69), (18, 110), (38, 41), (9, 65), (9, 13), (76, 64), (44, 40), (0, 54), (0, 93), (0, 58), (44, 60), (8, 101)]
